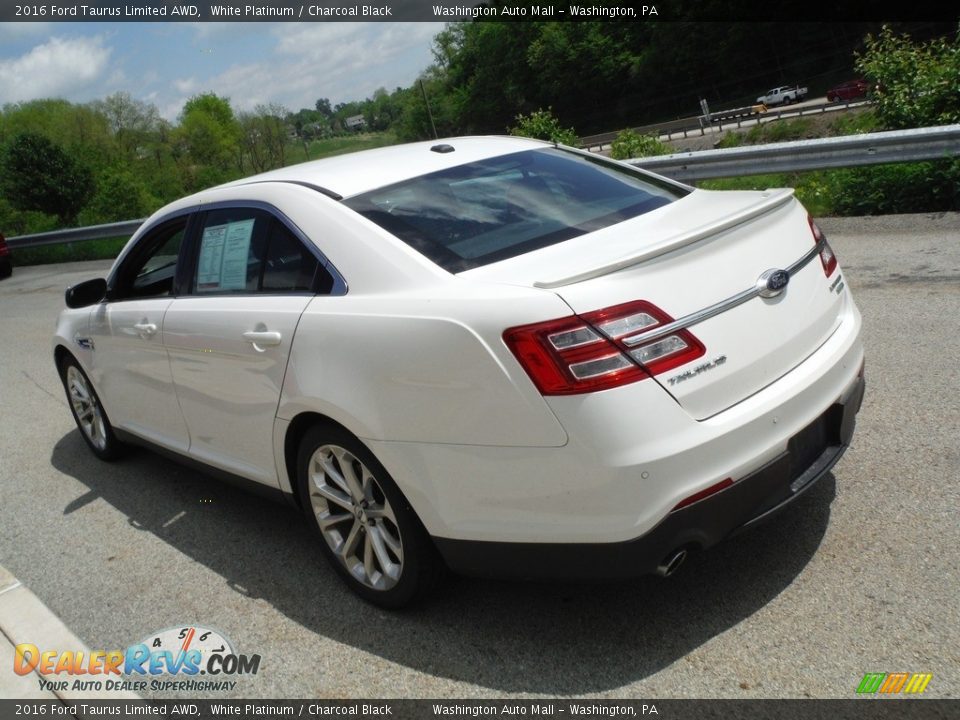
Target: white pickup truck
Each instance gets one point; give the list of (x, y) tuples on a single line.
[(783, 95)]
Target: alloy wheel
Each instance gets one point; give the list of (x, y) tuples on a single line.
[(87, 408), (355, 517)]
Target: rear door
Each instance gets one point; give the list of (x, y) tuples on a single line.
[(229, 336)]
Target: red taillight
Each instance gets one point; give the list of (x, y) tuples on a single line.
[(4, 250), (593, 351), (827, 258)]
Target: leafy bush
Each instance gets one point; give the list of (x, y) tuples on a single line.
[(541, 124), (902, 188), (631, 145), (877, 190), (812, 188), (15, 222), (914, 85)]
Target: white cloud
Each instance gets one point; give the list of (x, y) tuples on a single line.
[(292, 64), (60, 67), (186, 85), (339, 61)]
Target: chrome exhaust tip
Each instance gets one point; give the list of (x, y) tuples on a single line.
[(671, 563)]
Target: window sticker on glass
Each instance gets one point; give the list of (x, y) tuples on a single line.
[(211, 258), (224, 250)]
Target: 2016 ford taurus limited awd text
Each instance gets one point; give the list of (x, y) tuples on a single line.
[(495, 354)]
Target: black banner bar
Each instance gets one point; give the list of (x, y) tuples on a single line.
[(492, 10)]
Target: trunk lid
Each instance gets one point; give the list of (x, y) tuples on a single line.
[(695, 256)]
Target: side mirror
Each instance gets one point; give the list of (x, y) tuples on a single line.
[(89, 292)]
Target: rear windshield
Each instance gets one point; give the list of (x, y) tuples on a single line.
[(482, 212)]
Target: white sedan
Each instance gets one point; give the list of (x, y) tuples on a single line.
[(494, 354)]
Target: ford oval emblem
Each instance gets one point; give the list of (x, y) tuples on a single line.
[(772, 283)]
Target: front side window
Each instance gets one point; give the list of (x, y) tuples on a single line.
[(248, 250), (149, 269), (494, 209)]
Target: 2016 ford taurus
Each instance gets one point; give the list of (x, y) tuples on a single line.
[(512, 358)]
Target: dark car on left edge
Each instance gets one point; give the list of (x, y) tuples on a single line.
[(6, 265)]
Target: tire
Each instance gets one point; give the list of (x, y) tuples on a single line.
[(88, 412), (368, 531)]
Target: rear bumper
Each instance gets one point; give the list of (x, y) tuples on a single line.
[(810, 455)]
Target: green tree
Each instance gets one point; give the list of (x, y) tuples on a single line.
[(486, 73), (210, 104), (914, 84), (62, 122), (120, 195), (208, 140), (383, 110), (36, 174), (132, 122), (309, 124), (413, 122), (263, 137), (543, 125), (342, 111)]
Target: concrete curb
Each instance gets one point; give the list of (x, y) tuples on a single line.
[(25, 619)]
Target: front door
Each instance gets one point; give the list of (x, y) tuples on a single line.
[(130, 366)]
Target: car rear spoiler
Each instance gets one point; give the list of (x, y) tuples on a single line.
[(770, 200)]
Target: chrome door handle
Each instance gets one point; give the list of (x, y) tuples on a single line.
[(145, 328), (261, 339)]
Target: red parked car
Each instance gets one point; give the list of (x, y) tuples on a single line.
[(6, 267), (850, 90)]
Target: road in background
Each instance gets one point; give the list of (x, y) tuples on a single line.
[(695, 126), (858, 576)]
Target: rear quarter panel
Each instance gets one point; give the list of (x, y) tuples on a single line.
[(422, 367)]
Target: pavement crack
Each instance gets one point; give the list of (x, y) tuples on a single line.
[(57, 398)]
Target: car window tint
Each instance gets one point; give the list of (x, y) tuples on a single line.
[(231, 251), (289, 265), (490, 210), (149, 269), (248, 250)]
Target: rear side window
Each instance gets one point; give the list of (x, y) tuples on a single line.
[(248, 250), (482, 212)]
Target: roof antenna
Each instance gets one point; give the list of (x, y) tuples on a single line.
[(429, 113)]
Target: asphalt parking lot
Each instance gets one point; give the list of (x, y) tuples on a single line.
[(861, 575)]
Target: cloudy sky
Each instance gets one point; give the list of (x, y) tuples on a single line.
[(251, 63)]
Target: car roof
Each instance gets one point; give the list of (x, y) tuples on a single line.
[(359, 172)]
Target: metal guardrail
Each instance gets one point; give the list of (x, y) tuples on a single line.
[(93, 232), (694, 125), (823, 153)]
